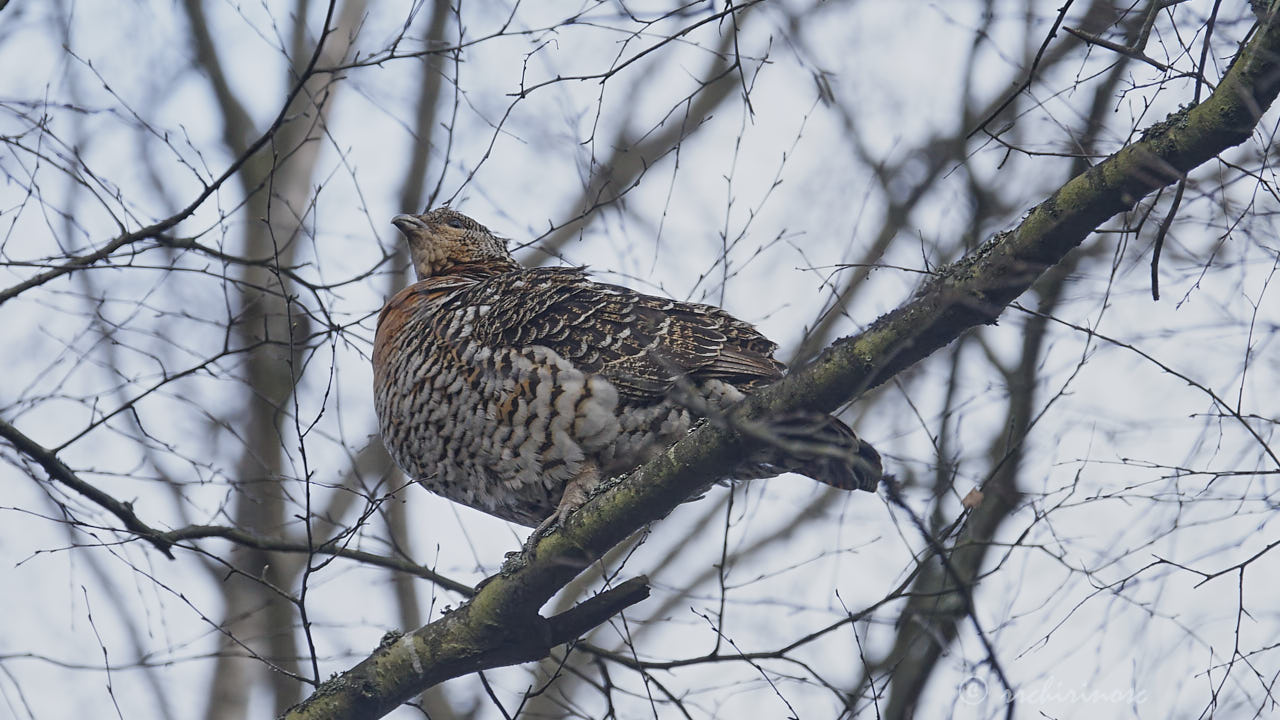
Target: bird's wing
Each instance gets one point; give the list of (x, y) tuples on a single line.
[(640, 343)]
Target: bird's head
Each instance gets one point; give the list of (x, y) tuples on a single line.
[(445, 240)]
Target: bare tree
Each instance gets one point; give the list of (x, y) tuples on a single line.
[(1027, 250)]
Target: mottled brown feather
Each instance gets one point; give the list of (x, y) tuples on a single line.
[(641, 344)]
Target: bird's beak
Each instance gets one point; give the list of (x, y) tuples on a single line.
[(404, 223)]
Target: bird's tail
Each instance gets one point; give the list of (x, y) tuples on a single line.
[(821, 447)]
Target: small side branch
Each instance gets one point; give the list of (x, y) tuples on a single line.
[(59, 472), (576, 621), (1116, 47), (165, 540)]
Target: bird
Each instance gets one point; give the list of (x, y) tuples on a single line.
[(516, 391)]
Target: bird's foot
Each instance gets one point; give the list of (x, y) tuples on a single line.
[(576, 493)]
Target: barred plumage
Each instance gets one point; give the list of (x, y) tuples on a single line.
[(514, 390)]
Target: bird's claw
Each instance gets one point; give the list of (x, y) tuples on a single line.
[(575, 496)]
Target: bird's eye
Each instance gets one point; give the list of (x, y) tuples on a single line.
[(454, 223)]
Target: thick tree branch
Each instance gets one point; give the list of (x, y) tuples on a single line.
[(501, 625)]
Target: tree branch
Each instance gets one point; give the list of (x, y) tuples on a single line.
[(330, 547), (164, 540), (59, 471)]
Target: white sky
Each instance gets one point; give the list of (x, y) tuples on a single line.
[(901, 68)]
